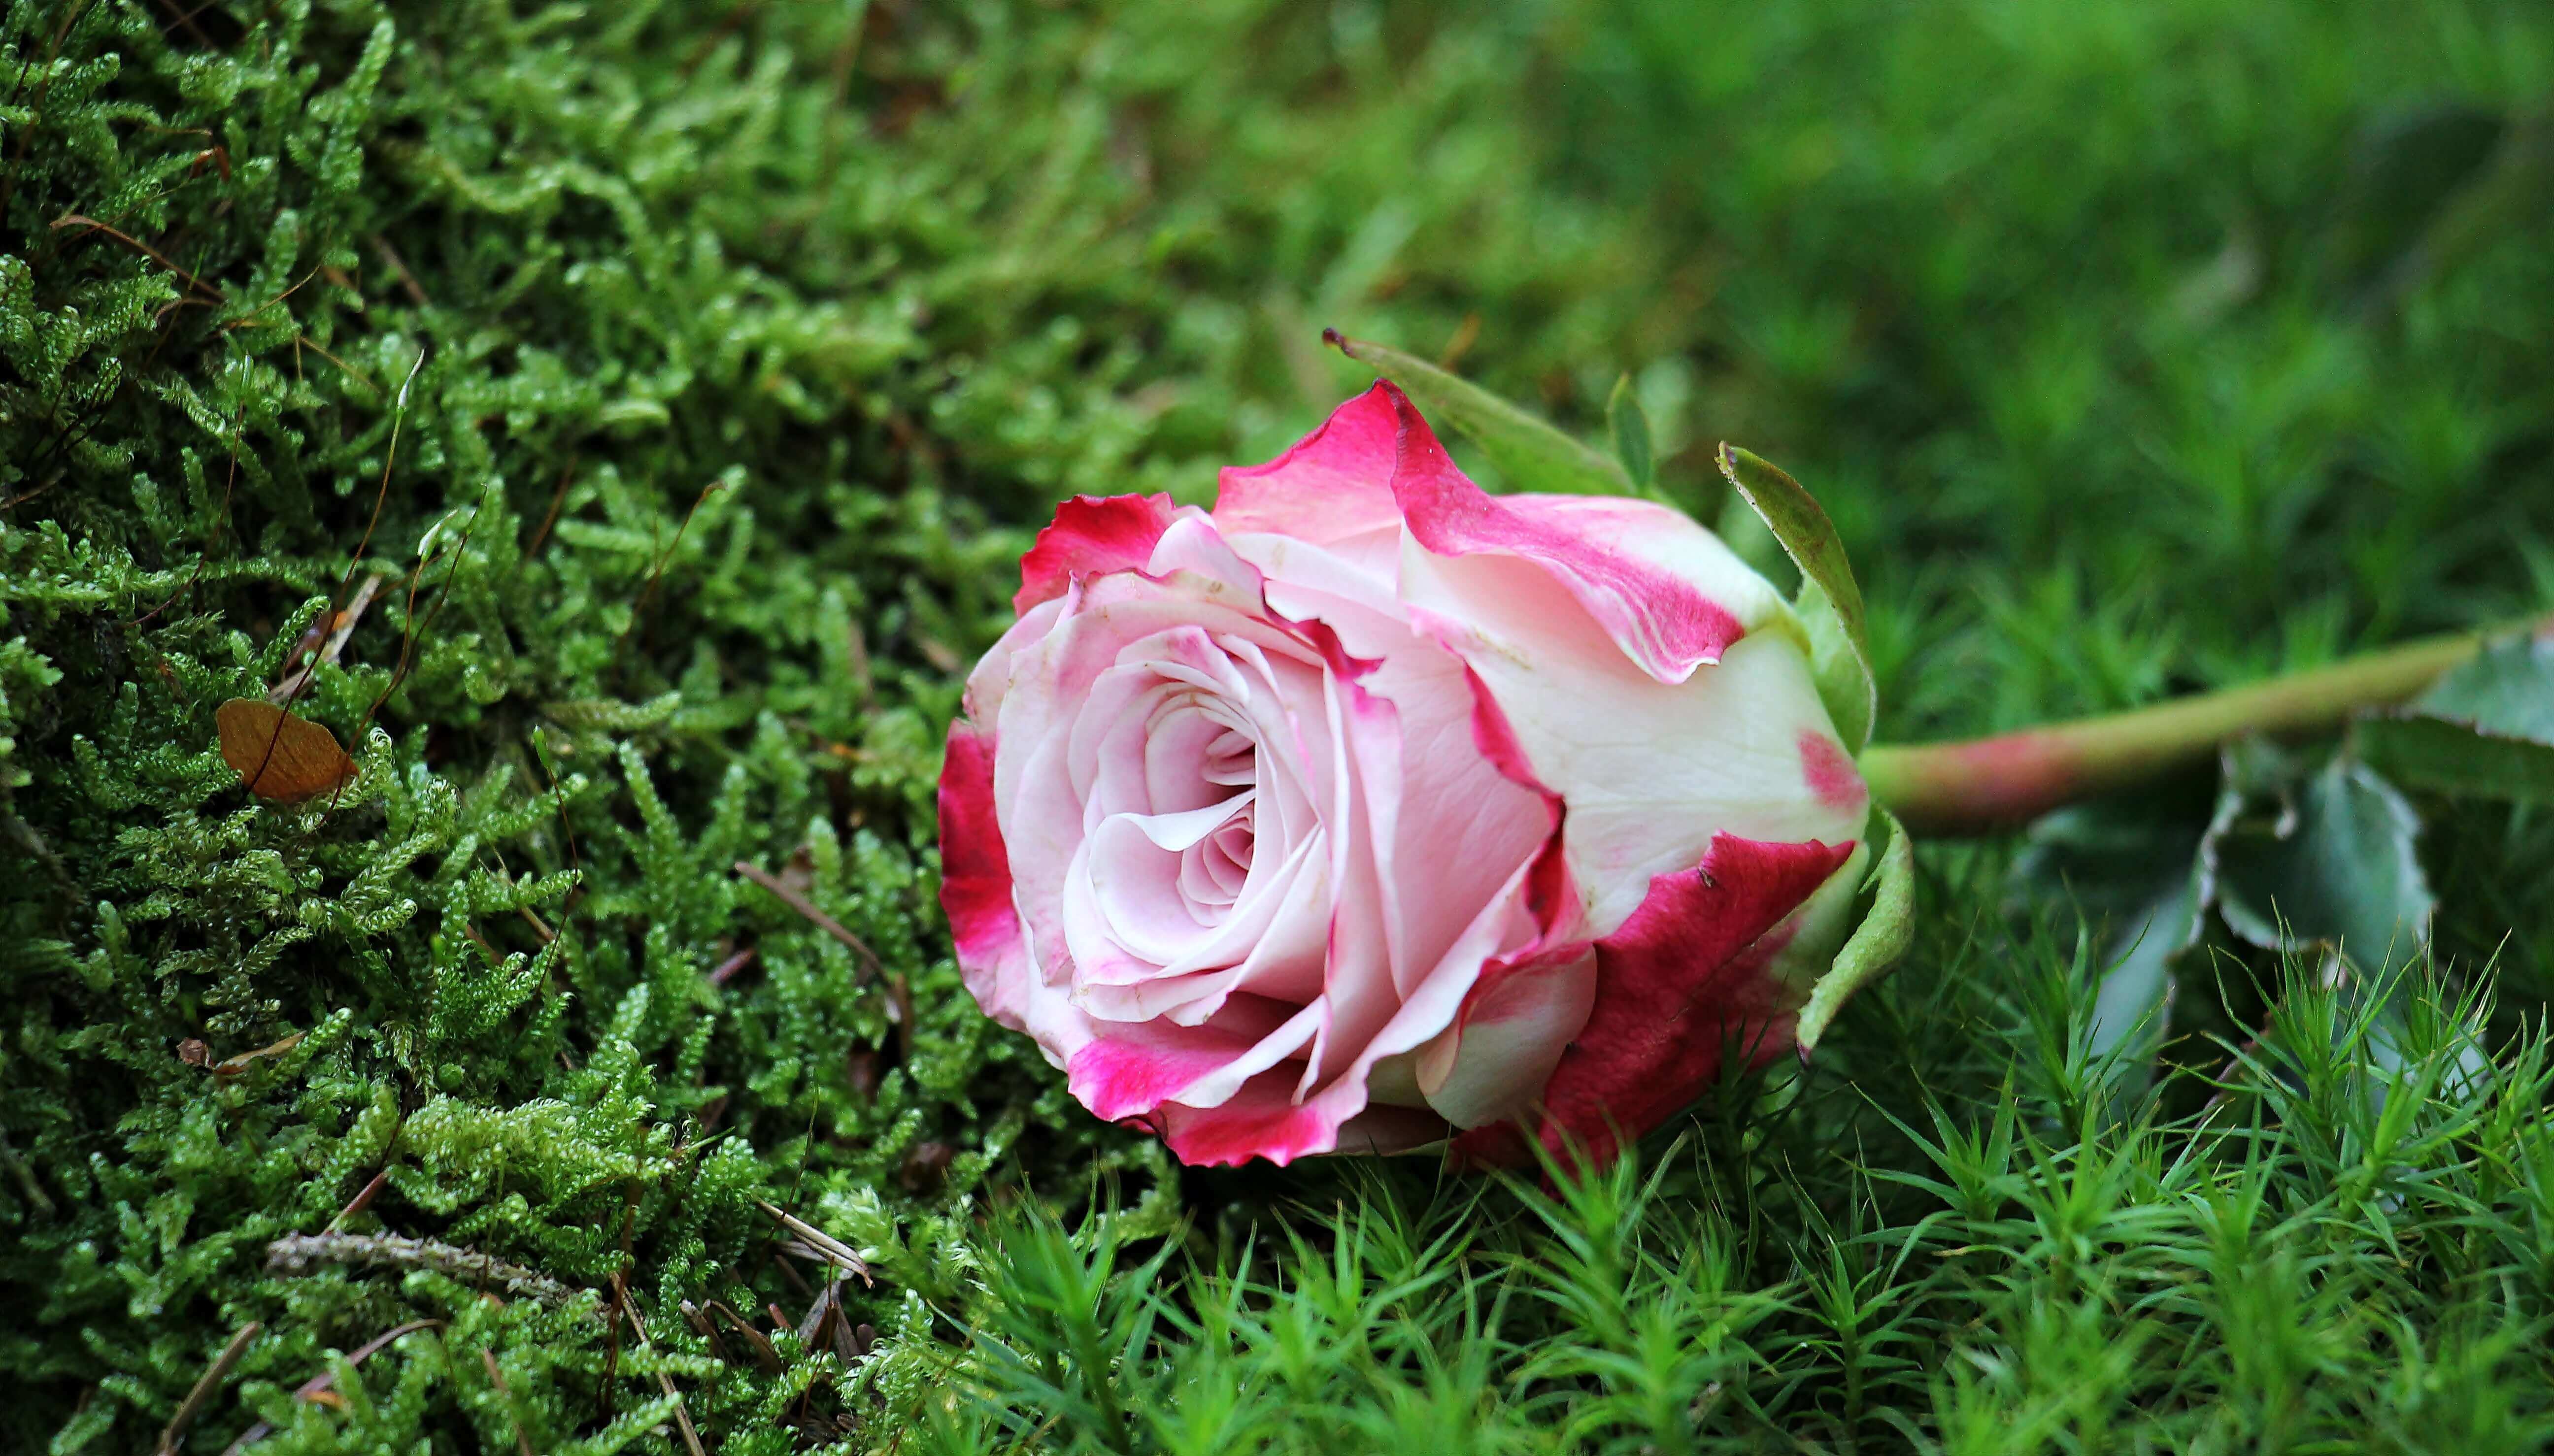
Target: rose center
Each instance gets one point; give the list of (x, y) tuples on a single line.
[(1214, 870)]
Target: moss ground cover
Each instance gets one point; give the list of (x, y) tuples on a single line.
[(689, 378)]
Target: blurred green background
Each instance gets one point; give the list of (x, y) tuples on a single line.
[(2134, 348)]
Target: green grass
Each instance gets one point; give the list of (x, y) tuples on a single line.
[(2133, 349)]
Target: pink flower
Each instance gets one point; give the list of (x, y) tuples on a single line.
[(1369, 811)]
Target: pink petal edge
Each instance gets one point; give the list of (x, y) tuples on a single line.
[(1334, 482), (1661, 621), (976, 874), (1092, 535), (1684, 980)]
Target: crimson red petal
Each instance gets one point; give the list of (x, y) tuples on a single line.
[(1681, 980), (1331, 485), (1662, 622), (1090, 537), (975, 867)]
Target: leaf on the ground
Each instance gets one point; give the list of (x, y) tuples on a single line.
[(2334, 866), (2130, 864), (1877, 942), (1829, 601), (2484, 729), (1531, 454), (277, 756)]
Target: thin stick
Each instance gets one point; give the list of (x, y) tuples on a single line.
[(399, 415), (648, 592), (332, 630), (205, 1383), (318, 1384), (505, 1393), (399, 265), (664, 1381), (815, 917), (728, 969), (550, 519), (820, 1243), (363, 1198), (82, 220), (186, 18)]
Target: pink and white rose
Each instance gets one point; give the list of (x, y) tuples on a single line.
[(1369, 811)]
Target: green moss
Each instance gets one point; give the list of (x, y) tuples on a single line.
[(690, 375)]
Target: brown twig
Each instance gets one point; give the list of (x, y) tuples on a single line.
[(399, 265), (320, 1385), (296, 1254), (550, 519), (647, 593), (230, 1066), (186, 18), (399, 417), (815, 917), (619, 1297), (820, 1244), (205, 1383), (505, 1393), (727, 970), (765, 1358), (83, 220), (664, 1381), (242, 320), (410, 630), (330, 633), (364, 1196)]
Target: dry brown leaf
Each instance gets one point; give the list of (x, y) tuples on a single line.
[(234, 1065), (277, 756)]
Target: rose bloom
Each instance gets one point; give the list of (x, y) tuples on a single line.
[(1368, 811)]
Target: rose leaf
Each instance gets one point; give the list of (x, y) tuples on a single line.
[(2484, 729), (2132, 866), (2335, 866)]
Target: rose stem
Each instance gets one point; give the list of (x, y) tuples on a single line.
[(1977, 786)]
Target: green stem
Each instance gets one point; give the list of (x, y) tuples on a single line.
[(1981, 785)]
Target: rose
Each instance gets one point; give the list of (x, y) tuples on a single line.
[(1368, 810)]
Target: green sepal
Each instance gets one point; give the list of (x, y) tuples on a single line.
[(1631, 426), (1829, 603), (1530, 453), (1878, 940), (2484, 729)]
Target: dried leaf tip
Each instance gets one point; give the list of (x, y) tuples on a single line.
[(277, 756)]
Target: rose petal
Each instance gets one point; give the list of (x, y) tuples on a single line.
[(1092, 535), (1127, 1070), (1682, 981), (1668, 593), (976, 879), (1650, 771), (1333, 485), (1496, 1062)]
